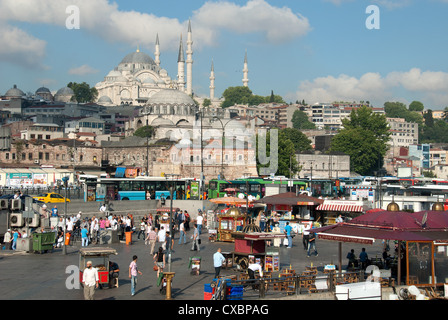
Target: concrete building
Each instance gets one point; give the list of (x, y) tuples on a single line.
[(403, 133), (324, 166)]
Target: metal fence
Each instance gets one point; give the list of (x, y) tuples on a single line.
[(72, 192), (292, 284)]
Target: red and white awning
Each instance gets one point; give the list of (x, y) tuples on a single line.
[(341, 207)]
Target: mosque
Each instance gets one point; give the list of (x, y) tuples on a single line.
[(138, 77)]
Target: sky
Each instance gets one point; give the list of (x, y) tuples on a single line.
[(319, 51)]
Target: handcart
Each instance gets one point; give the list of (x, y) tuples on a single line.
[(195, 265), (100, 261)]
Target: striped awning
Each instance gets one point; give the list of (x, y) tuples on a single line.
[(340, 207)]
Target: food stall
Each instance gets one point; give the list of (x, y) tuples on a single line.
[(253, 244), (100, 260), (329, 210)]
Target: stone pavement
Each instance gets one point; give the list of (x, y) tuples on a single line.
[(32, 276)]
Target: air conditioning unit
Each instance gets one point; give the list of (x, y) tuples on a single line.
[(4, 204), (16, 204), (16, 220), (33, 222), (36, 161)]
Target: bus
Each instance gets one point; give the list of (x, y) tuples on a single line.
[(137, 188), (253, 186)]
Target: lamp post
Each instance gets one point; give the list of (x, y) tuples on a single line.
[(222, 146), (201, 114), (64, 247)]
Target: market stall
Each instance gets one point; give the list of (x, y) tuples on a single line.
[(329, 210), (100, 260), (253, 244), (298, 210), (233, 220)]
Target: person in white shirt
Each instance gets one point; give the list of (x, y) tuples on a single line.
[(90, 280), (161, 235), (199, 221), (254, 267), (69, 225)]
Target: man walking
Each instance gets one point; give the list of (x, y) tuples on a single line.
[(152, 237), (199, 221), (182, 233), (133, 273), (195, 245), (312, 244), (90, 280), (288, 230), (218, 260), (84, 237)]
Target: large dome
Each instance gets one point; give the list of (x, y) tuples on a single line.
[(65, 91), (14, 92), (42, 90), (137, 57), (170, 97)]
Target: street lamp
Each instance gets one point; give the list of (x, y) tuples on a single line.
[(222, 146), (64, 247), (201, 114)]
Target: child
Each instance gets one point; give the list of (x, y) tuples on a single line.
[(133, 272)]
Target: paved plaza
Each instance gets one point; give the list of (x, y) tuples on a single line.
[(33, 276)]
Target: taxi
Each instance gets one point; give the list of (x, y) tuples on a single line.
[(50, 197)]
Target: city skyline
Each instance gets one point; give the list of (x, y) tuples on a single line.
[(320, 51)]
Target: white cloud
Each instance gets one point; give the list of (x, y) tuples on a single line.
[(430, 86), (82, 70), (17, 46), (106, 20)]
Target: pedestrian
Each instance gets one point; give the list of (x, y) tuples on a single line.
[(312, 244), (363, 258), (251, 269), (142, 229), (161, 236), (7, 240), (351, 259), (94, 227), (133, 273), (306, 236), (159, 260), (196, 240), (15, 236), (218, 260), (54, 211), (169, 242), (288, 230), (199, 221), (182, 233), (262, 221), (114, 272), (151, 238), (84, 237), (90, 280), (187, 220)]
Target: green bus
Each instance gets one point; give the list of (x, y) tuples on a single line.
[(253, 186)]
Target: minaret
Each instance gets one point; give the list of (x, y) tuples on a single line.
[(157, 53), (212, 83), (189, 61), (245, 72), (181, 67)]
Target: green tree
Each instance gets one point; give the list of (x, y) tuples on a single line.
[(82, 92), (416, 106), (399, 110), (300, 140), (300, 121), (236, 95), (144, 132), (364, 137), (286, 161), (206, 103), (429, 119)]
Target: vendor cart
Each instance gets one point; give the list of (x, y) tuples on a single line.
[(100, 261), (253, 244)]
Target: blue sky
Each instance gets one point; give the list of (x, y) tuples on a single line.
[(319, 51)]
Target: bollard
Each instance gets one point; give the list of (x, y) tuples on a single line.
[(169, 277)]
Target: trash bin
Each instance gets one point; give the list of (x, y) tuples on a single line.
[(128, 237), (43, 241), (67, 238)]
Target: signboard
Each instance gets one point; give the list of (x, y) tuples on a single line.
[(19, 179), (194, 190), (40, 179)]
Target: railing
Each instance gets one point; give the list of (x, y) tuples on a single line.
[(72, 193), (291, 284)]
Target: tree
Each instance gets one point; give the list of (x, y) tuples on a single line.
[(300, 121), (300, 141), (429, 120), (399, 110), (236, 95), (416, 106), (364, 137), (286, 163), (82, 92), (206, 103), (144, 132)]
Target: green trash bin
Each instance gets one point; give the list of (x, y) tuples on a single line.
[(43, 242)]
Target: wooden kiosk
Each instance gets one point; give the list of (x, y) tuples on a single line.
[(254, 244), (233, 220)]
